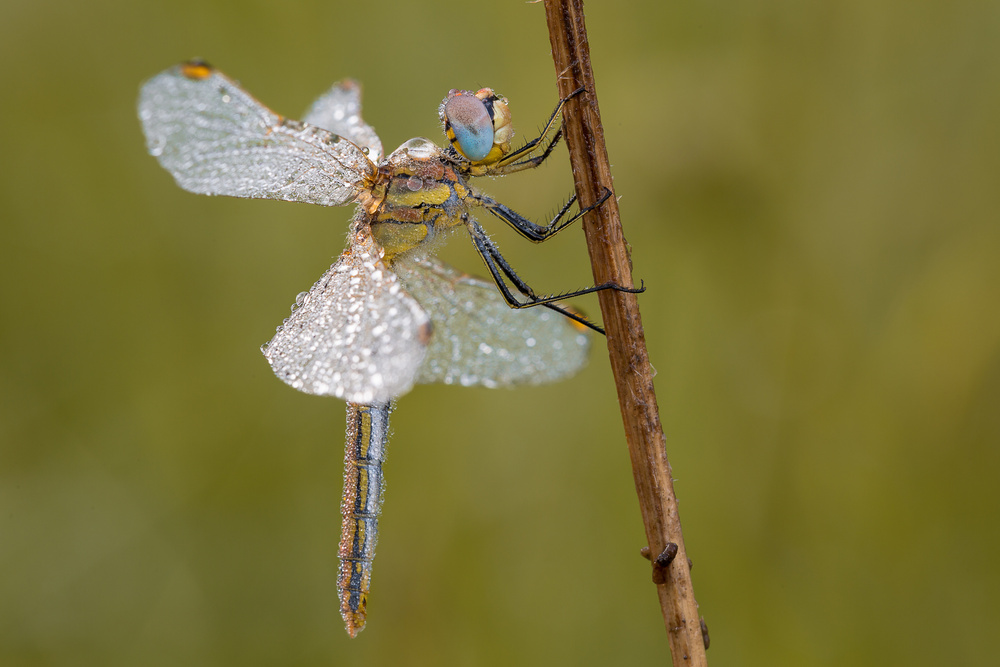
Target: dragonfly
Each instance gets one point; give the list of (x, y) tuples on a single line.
[(387, 314)]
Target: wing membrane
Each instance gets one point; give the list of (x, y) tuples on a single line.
[(339, 110), (216, 139), (478, 339), (355, 335)]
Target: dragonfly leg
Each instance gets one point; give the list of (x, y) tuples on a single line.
[(520, 158), (501, 271), (531, 230), (529, 162)]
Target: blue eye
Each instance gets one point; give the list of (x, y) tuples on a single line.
[(469, 120)]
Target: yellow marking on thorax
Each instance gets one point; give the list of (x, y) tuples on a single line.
[(414, 192)]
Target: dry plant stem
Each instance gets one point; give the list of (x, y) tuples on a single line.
[(609, 257)]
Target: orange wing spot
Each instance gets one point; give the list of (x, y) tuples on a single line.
[(196, 69), (576, 311)]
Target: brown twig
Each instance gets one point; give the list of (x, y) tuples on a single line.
[(609, 256)]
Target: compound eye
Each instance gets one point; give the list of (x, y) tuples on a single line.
[(469, 120)]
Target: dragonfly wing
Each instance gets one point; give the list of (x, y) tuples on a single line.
[(339, 110), (356, 334), (478, 339), (216, 139)]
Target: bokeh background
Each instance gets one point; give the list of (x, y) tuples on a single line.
[(811, 194)]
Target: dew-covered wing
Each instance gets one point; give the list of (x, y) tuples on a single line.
[(356, 334), (339, 110), (216, 139), (479, 340)]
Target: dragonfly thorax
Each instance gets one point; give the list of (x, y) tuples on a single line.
[(420, 195)]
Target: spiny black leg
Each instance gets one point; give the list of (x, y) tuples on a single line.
[(499, 268), (489, 252), (579, 319), (526, 228), (528, 147), (533, 231), (516, 161), (531, 163)]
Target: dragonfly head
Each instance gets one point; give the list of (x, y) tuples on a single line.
[(477, 124)]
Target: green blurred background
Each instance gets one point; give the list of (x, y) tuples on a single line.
[(810, 190)]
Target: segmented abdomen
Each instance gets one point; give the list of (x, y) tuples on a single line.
[(367, 434)]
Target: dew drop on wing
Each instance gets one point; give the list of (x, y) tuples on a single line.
[(300, 300)]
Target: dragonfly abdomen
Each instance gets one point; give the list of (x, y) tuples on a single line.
[(367, 434)]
